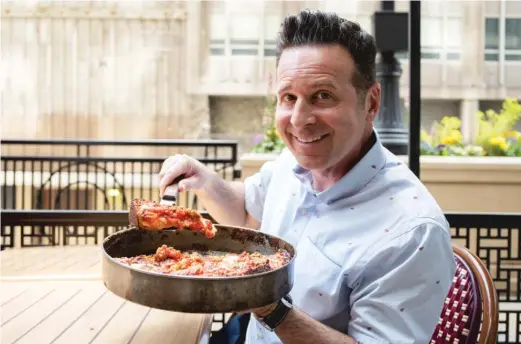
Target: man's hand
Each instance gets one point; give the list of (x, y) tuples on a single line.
[(261, 312), (223, 199), (197, 175)]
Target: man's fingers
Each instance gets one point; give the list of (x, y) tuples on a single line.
[(168, 163), (189, 183), (173, 172)]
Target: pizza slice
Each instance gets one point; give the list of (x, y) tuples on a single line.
[(151, 215)]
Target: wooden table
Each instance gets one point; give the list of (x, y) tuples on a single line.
[(55, 295)]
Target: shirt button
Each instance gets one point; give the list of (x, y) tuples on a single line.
[(304, 212)]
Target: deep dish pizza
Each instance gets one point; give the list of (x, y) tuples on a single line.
[(168, 260), (151, 215)]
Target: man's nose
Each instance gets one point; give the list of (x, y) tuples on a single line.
[(302, 114)]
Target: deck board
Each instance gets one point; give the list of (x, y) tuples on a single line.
[(56, 295)]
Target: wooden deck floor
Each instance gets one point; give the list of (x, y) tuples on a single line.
[(55, 295)]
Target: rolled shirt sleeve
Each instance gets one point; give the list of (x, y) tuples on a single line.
[(399, 294), (256, 188)]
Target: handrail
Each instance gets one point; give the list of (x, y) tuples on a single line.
[(149, 142), (484, 220), (15, 217)]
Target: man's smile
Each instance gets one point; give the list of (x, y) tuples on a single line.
[(310, 139)]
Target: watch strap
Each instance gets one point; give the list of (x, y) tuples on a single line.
[(272, 320)]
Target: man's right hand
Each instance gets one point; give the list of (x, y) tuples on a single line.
[(196, 174), (223, 199)]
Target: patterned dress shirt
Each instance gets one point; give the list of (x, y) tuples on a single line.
[(374, 255)]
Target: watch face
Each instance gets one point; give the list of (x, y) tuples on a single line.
[(286, 303)]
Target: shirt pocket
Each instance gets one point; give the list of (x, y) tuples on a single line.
[(318, 284)]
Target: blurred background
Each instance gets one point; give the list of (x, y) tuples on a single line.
[(204, 69), (96, 94)]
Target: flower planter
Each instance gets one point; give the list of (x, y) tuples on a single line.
[(466, 184)]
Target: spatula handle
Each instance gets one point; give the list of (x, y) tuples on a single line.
[(172, 191)]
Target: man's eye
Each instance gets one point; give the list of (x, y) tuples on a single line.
[(323, 96), (288, 98)]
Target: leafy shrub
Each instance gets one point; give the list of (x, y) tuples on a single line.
[(270, 142), (495, 136)]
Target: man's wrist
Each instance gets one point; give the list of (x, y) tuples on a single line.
[(263, 312), (273, 315)]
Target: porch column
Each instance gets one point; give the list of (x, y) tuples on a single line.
[(469, 124), (472, 65)]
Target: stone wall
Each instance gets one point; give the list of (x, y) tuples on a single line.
[(434, 110), (125, 79), (237, 118)]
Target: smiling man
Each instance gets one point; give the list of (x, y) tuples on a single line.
[(374, 261)]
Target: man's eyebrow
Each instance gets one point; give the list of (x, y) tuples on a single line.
[(317, 84), (325, 83)]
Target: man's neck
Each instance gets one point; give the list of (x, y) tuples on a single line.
[(323, 180)]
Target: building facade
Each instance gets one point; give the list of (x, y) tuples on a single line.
[(203, 69), (471, 56)]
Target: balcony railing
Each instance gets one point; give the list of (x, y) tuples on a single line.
[(96, 174)]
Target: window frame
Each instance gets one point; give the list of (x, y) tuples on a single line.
[(501, 51), (443, 50)]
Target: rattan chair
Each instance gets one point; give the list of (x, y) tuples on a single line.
[(470, 313)]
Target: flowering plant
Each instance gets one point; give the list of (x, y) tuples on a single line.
[(445, 139), (270, 141), (495, 131), (495, 136)]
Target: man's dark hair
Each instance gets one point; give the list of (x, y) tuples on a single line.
[(324, 28)]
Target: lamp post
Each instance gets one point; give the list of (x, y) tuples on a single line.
[(391, 34)]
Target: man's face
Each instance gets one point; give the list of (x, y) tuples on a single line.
[(319, 115)]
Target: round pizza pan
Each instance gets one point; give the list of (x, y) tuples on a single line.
[(195, 294)]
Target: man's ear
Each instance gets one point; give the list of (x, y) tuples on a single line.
[(372, 101)]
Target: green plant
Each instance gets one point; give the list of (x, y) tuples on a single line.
[(495, 135), (495, 132), (445, 139), (270, 141)]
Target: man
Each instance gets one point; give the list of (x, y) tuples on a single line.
[(374, 261)]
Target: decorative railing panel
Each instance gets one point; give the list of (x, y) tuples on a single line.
[(496, 240)]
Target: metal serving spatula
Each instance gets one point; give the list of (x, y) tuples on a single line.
[(171, 194)]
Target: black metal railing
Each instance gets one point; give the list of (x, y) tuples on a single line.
[(98, 174), (495, 238), (29, 228)]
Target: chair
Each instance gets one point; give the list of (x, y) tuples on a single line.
[(471, 307)]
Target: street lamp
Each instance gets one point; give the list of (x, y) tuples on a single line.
[(391, 31)]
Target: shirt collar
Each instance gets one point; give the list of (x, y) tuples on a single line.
[(354, 180)]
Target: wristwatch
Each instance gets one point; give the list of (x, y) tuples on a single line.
[(272, 320)]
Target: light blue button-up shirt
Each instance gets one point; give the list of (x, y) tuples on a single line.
[(374, 254)]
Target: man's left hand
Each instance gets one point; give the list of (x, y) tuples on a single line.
[(261, 312)]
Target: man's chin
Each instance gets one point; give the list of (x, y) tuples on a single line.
[(310, 162)]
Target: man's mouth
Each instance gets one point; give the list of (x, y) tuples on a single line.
[(311, 139)]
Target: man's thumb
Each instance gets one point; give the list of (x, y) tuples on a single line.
[(189, 183)]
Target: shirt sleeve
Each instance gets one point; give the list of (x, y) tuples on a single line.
[(256, 188), (399, 295)]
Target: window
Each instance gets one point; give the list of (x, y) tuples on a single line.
[(512, 45), (236, 29), (453, 38), (431, 38), (239, 31), (513, 39), (271, 27), (441, 38), (244, 34), (217, 34)]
